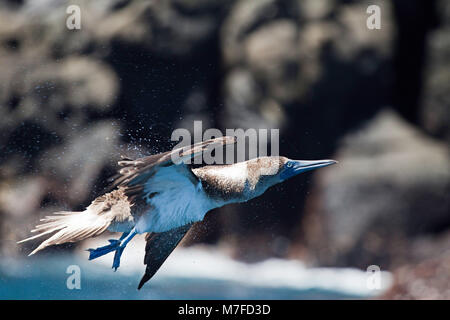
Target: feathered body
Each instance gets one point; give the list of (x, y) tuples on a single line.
[(163, 198)]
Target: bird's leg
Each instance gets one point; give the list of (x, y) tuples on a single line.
[(101, 251), (124, 235), (119, 250)]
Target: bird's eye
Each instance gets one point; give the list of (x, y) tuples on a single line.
[(289, 164)]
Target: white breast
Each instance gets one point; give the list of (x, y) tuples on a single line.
[(175, 201)]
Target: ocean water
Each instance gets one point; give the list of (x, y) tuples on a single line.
[(189, 273)]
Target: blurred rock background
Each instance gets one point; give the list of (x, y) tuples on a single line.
[(378, 101)]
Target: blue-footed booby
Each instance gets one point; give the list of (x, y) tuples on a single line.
[(164, 198)]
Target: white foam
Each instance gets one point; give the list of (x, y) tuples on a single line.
[(210, 263)]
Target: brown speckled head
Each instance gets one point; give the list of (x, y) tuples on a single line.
[(265, 166)]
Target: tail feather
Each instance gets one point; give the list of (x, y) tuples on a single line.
[(69, 227), (49, 225)]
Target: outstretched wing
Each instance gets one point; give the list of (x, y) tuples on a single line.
[(136, 172), (166, 187), (159, 181), (122, 205), (158, 248)]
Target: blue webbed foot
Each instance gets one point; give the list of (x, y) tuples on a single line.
[(115, 245), (117, 255), (101, 251)]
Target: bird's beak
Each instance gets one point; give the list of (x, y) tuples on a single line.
[(294, 167)]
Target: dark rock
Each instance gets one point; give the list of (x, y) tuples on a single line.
[(391, 185), (435, 114), (426, 276)]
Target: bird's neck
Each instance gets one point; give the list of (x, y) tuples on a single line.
[(225, 184)]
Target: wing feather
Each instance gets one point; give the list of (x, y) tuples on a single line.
[(158, 248), (135, 172)]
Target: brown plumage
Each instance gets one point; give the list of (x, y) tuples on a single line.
[(110, 208)]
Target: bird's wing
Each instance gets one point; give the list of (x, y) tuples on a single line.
[(148, 178), (165, 186), (121, 204), (158, 247), (136, 172)]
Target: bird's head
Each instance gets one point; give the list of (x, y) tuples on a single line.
[(265, 172), (294, 167)]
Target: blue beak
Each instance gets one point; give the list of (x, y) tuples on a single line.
[(294, 167)]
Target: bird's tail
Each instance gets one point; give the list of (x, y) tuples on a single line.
[(69, 227)]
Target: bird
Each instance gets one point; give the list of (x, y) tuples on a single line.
[(164, 198)]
